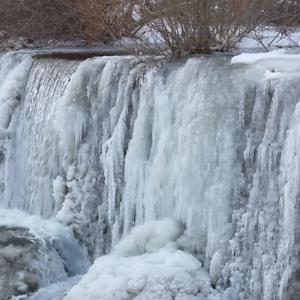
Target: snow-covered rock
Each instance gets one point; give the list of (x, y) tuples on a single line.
[(35, 253), (145, 265)]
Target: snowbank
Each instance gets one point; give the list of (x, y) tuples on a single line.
[(252, 58), (145, 265), (274, 64), (269, 38), (149, 238), (55, 291)]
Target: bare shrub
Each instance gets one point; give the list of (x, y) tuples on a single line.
[(283, 17), (104, 20), (38, 19), (287, 13), (170, 27), (92, 20), (178, 28)]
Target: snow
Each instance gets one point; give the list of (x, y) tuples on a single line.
[(161, 275), (35, 224), (50, 230), (276, 55), (276, 64), (272, 75), (271, 38), (167, 273), (145, 265), (54, 291), (149, 238), (35, 253), (263, 39)]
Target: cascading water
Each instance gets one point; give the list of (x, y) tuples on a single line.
[(208, 149), (33, 160), (33, 253)]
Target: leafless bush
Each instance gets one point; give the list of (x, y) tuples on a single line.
[(183, 27), (93, 20), (287, 13), (38, 19), (105, 20), (171, 27), (283, 16)]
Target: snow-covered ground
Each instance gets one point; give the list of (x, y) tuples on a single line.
[(270, 39), (263, 40)]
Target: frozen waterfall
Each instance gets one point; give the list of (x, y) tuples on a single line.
[(109, 145)]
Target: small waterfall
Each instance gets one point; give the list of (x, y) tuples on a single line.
[(43, 252), (14, 71), (32, 160), (109, 143)]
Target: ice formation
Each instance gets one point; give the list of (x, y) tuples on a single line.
[(35, 253), (193, 165), (145, 265)]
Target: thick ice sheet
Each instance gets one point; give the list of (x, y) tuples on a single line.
[(109, 144)]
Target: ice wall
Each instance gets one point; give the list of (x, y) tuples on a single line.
[(111, 143)]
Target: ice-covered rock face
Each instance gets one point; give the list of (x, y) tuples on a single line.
[(35, 253), (19, 251), (110, 144), (27, 262)]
